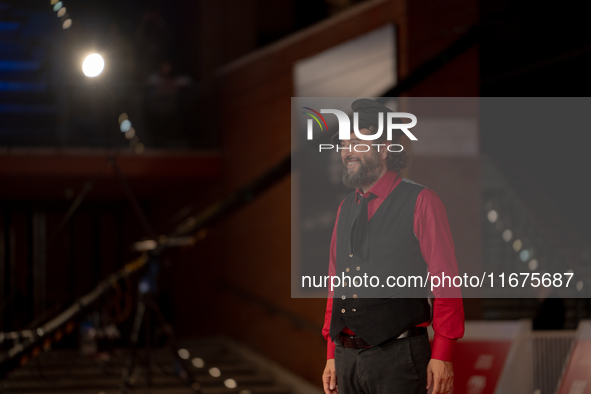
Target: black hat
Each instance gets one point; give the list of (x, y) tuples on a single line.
[(368, 111)]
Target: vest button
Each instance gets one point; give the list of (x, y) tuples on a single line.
[(347, 269), (343, 297), (354, 296), (343, 310), (353, 310), (350, 254), (358, 268)]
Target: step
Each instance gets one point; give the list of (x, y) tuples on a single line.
[(33, 133), (110, 381), (39, 9), (29, 51), (12, 50), (9, 86), (64, 361), (184, 390), (85, 372), (9, 26), (15, 109), (28, 97), (67, 372), (40, 29), (9, 29), (19, 65)]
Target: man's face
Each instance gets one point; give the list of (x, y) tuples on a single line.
[(361, 168)]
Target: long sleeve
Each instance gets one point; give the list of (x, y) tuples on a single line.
[(432, 230), (330, 346)]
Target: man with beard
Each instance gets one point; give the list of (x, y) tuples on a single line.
[(380, 345)]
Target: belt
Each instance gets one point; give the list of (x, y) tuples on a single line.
[(354, 341)]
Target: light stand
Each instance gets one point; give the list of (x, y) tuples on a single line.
[(146, 308)]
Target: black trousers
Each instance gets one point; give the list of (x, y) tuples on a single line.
[(397, 366)]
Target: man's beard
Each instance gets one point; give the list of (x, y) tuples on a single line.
[(366, 174)]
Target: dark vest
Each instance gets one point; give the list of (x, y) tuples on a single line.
[(393, 250)]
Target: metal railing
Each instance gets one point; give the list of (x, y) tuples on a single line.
[(550, 350), (523, 232)]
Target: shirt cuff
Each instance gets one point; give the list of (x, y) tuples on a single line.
[(443, 348), (330, 346)]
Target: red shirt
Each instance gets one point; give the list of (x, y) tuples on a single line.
[(432, 230)]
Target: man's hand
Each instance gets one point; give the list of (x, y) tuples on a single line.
[(441, 375), (329, 378)]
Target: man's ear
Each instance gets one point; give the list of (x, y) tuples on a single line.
[(383, 152)]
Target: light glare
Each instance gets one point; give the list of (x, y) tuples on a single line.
[(533, 264), (125, 126), (492, 216), (198, 362), (184, 354), (517, 244), (230, 383), (93, 65)]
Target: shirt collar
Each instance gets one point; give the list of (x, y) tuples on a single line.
[(381, 188)]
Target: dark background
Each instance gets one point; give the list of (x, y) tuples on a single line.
[(230, 125)]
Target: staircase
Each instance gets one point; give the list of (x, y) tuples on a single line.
[(218, 364), (28, 111), (552, 244)]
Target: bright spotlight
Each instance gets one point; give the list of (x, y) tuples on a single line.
[(215, 372), (184, 354), (93, 65), (507, 235), (492, 216), (533, 264), (198, 362), (230, 383), (517, 244), (125, 126)]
